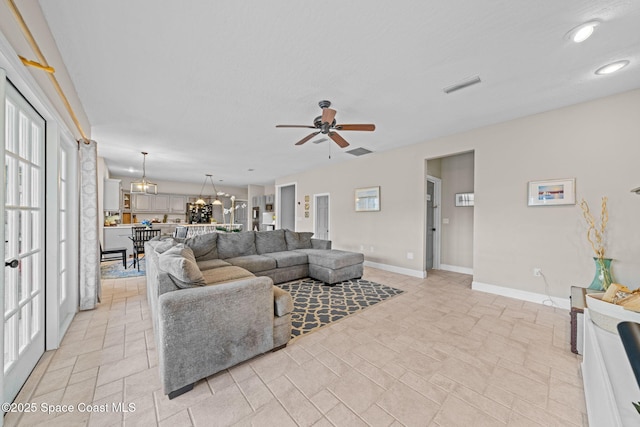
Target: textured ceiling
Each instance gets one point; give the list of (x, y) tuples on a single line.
[(200, 85)]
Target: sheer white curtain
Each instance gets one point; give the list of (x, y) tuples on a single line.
[(89, 243)]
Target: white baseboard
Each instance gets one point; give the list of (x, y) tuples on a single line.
[(456, 269), (521, 295), (394, 269)]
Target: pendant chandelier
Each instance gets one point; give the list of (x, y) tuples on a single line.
[(143, 186), (200, 200)]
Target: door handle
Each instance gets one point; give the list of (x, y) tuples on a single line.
[(13, 263), (433, 229)]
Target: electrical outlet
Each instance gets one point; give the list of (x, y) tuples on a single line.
[(537, 272), (409, 255)]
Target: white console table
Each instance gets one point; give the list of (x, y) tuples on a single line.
[(609, 383)]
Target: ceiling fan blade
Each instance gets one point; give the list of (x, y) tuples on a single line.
[(370, 127), (295, 126), (338, 139), (328, 115), (306, 138)]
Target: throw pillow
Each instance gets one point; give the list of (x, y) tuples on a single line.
[(204, 246), (180, 263), (300, 240), (231, 245), (270, 241), (164, 245)]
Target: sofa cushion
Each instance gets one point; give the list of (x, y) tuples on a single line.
[(297, 240), (204, 246), (332, 258), (288, 258), (225, 274), (253, 263), (181, 266), (212, 263), (231, 245), (270, 241)]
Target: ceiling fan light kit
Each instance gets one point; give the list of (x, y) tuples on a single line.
[(326, 125)]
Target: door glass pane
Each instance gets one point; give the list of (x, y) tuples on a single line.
[(23, 136), (23, 327), (20, 183), (33, 187), (24, 279), (34, 143), (10, 300), (10, 139), (9, 342), (35, 315), (11, 195)]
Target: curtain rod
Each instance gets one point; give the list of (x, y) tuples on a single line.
[(44, 65)]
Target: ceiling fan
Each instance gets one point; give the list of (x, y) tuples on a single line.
[(326, 124)]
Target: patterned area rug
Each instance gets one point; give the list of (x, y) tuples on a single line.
[(115, 270), (316, 305)]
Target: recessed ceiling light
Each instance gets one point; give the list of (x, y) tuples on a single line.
[(583, 31), (612, 68)]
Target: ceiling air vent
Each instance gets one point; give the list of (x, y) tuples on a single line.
[(463, 84), (359, 151)]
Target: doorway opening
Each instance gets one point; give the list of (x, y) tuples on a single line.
[(434, 191), (321, 217), (286, 207)]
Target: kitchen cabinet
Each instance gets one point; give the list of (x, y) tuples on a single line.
[(118, 237), (126, 201), (111, 195), (142, 202), (178, 204), (161, 203)]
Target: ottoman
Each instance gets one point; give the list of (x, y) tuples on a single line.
[(334, 266)]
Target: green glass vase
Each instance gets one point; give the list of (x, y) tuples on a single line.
[(603, 277)]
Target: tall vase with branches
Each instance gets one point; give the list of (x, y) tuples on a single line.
[(596, 238)]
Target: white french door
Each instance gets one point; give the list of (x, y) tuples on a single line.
[(24, 218)]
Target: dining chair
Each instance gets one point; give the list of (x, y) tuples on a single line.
[(141, 235), (119, 252), (181, 232)]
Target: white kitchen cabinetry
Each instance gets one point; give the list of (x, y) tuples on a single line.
[(118, 237), (178, 204), (161, 203), (142, 202), (111, 196)]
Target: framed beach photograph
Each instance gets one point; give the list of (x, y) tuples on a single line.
[(368, 199), (552, 192)]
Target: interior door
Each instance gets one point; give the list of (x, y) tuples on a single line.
[(23, 211), (431, 228), (322, 217)]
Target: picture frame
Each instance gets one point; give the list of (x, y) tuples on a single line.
[(552, 192), (464, 199), (367, 199)]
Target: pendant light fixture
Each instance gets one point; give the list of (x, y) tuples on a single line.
[(200, 200), (143, 186)]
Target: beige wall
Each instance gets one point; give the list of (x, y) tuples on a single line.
[(595, 142)]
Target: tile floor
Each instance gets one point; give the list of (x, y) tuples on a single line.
[(438, 355)]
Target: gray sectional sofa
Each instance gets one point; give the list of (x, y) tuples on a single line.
[(213, 301)]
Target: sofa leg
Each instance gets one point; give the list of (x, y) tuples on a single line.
[(278, 348), (180, 391)]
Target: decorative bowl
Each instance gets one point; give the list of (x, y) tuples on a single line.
[(607, 315)]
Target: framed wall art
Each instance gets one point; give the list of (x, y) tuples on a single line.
[(552, 192), (368, 199)]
